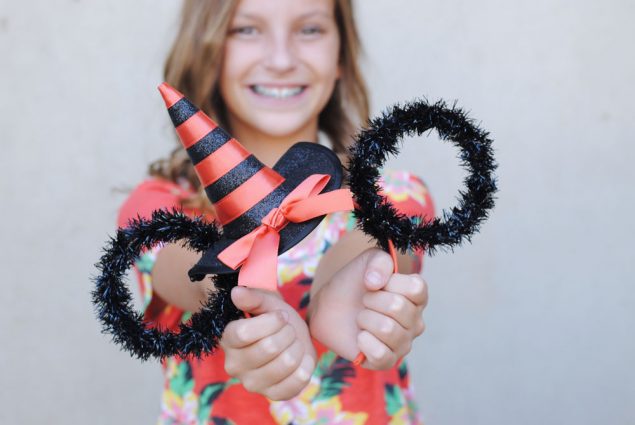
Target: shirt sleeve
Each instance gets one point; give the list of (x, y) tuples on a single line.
[(410, 196)]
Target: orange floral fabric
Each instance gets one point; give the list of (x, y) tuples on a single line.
[(198, 391)]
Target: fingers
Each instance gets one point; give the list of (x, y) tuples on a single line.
[(386, 330), (270, 353), (411, 286), (266, 369), (378, 355), (260, 353), (243, 332), (392, 319), (292, 385), (256, 301), (394, 306), (379, 268), (281, 366)]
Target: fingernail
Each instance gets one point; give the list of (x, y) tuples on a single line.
[(304, 372), (379, 352), (373, 277), (242, 333), (238, 289), (284, 315)]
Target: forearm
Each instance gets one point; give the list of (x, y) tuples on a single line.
[(171, 282), (342, 253)]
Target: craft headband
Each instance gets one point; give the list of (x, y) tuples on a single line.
[(375, 215)]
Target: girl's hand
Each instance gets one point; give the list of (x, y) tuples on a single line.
[(374, 311), (270, 353)]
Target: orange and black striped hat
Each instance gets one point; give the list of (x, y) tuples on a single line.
[(243, 189)]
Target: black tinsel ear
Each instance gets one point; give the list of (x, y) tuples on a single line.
[(113, 302), (378, 218)]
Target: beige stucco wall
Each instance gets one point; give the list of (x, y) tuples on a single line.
[(532, 323)]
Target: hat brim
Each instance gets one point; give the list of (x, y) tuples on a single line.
[(301, 161)]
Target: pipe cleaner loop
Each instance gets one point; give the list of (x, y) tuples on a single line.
[(113, 302), (378, 218)]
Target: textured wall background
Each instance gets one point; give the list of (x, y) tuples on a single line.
[(532, 323)]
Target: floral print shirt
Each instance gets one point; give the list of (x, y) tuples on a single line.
[(199, 391)]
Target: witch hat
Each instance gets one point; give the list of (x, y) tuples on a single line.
[(248, 196)]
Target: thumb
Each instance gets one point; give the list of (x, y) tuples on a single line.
[(255, 301), (379, 268)]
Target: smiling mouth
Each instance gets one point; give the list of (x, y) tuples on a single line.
[(277, 92)]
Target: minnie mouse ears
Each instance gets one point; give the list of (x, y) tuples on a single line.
[(261, 220)]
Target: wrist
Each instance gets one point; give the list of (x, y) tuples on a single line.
[(314, 302)]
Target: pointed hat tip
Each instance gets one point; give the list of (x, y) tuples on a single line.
[(170, 94)]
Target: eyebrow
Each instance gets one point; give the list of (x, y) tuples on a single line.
[(248, 15), (316, 12)]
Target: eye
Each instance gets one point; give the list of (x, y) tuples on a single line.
[(311, 30), (245, 30)]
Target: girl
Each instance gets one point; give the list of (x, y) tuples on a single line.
[(273, 73)]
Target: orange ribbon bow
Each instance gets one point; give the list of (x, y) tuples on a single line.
[(257, 251)]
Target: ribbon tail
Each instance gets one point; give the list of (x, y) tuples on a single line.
[(260, 269), (324, 203), (235, 254)]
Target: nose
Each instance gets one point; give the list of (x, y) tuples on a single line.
[(280, 55)]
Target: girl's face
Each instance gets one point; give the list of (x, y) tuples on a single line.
[(280, 65)]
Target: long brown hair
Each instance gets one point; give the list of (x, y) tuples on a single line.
[(193, 67)]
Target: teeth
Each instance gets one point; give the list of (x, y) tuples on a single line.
[(277, 92)]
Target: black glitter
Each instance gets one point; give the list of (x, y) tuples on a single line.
[(379, 218), (208, 145), (113, 303), (181, 111), (233, 179)]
